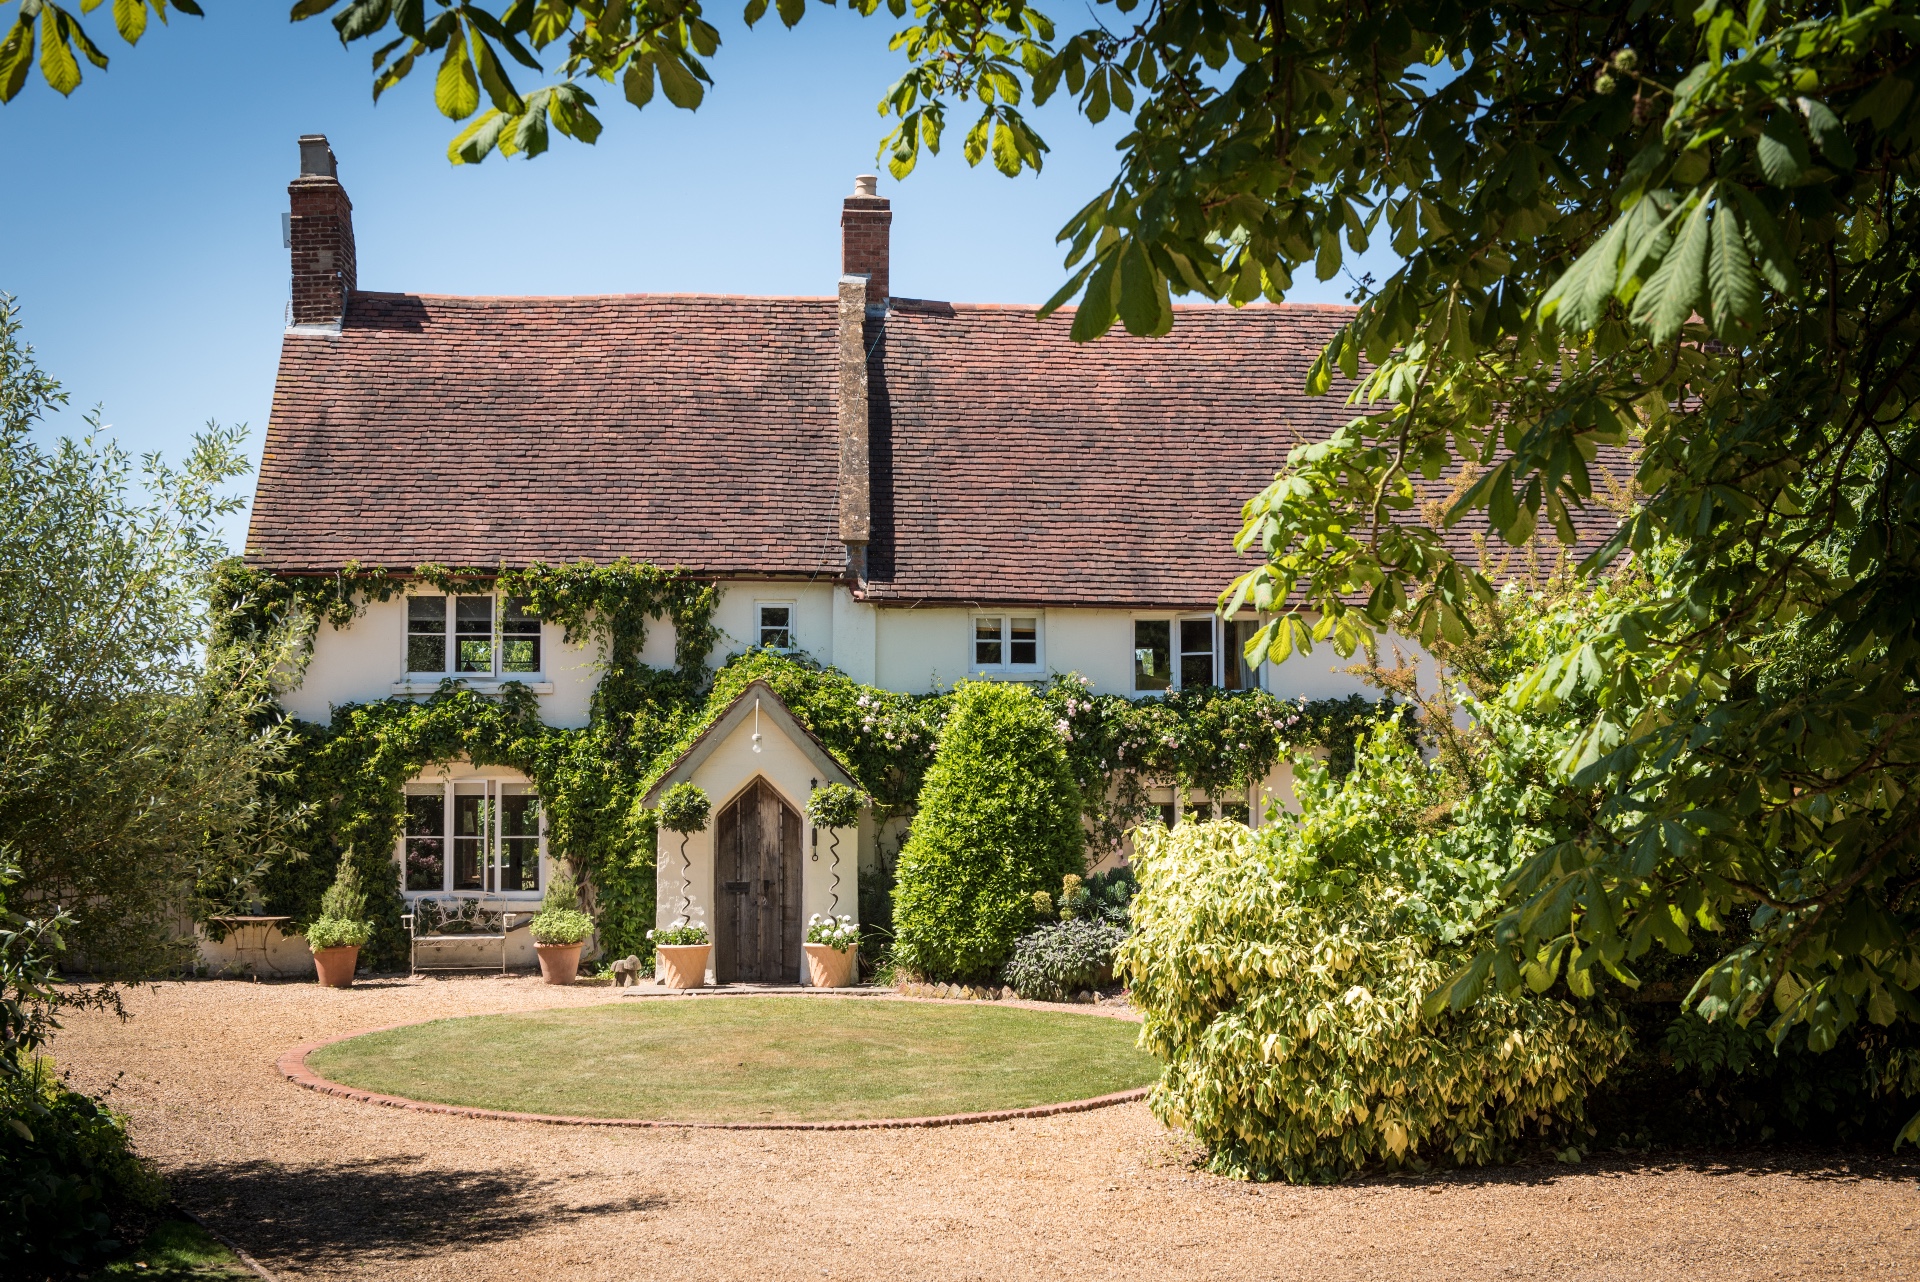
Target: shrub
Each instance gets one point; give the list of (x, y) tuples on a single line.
[(1074, 899), (67, 1174), (1281, 976), (1110, 895), (999, 819), (1057, 961), (343, 912), (560, 920)]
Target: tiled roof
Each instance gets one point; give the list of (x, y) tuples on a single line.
[(1011, 464), (693, 431), (1008, 464)]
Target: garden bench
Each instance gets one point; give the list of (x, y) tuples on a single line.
[(460, 921)]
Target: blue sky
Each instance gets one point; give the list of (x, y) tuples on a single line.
[(141, 229)]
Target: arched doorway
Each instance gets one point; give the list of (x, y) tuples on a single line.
[(757, 870)]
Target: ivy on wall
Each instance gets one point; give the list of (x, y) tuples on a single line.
[(349, 775)]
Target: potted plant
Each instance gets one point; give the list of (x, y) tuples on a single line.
[(337, 934), (560, 930), (832, 944), (680, 954), (834, 807)]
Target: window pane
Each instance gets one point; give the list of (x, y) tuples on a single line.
[(426, 634), (986, 641), (475, 656), (1166, 813), (1025, 645), (1234, 810), (426, 847), (469, 841), (427, 654), (519, 839), (1152, 654), (426, 614), (1239, 675), (776, 626), (519, 618), (1196, 652), (473, 616), (426, 814)]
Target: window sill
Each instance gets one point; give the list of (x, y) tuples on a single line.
[(427, 684), (1023, 673)]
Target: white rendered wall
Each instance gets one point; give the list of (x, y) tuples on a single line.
[(739, 620), (726, 772), (919, 650), (365, 660), (1098, 644)]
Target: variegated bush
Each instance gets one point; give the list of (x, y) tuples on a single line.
[(1281, 976)]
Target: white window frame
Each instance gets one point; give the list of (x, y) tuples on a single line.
[(1175, 652), (492, 786), (1006, 666), (450, 634), (760, 625)]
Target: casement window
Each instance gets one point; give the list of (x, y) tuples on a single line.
[(1239, 674), (1174, 654), (775, 625), (479, 835), (1002, 642), (455, 635)]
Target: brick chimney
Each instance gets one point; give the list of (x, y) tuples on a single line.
[(321, 232), (865, 220)]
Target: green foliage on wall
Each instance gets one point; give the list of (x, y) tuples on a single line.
[(999, 819), (349, 775), (351, 772), (1281, 976)]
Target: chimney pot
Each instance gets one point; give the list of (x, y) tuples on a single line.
[(316, 157), (866, 185)]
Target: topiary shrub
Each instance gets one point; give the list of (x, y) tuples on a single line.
[(560, 920), (343, 912), (1281, 975), (999, 819), (1056, 961)]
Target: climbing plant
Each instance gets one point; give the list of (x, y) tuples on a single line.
[(348, 776)]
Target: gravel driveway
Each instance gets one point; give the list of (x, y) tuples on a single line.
[(322, 1188)]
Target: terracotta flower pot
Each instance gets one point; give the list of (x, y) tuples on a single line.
[(559, 963), (830, 967), (682, 965), (335, 966)]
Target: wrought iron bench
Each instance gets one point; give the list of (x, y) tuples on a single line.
[(460, 921)]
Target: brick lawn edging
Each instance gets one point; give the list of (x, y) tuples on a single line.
[(293, 1066)]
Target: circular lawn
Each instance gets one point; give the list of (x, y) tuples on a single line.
[(749, 1059)]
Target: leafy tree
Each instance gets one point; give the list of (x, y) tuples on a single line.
[(128, 770)]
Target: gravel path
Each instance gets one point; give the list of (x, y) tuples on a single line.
[(319, 1187)]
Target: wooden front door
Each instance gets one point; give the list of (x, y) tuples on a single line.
[(758, 871)]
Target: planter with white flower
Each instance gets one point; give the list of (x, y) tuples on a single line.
[(337, 934), (680, 954), (833, 945), (560, 930)]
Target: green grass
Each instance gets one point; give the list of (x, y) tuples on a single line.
[(176, 1251), (749, 1059)]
